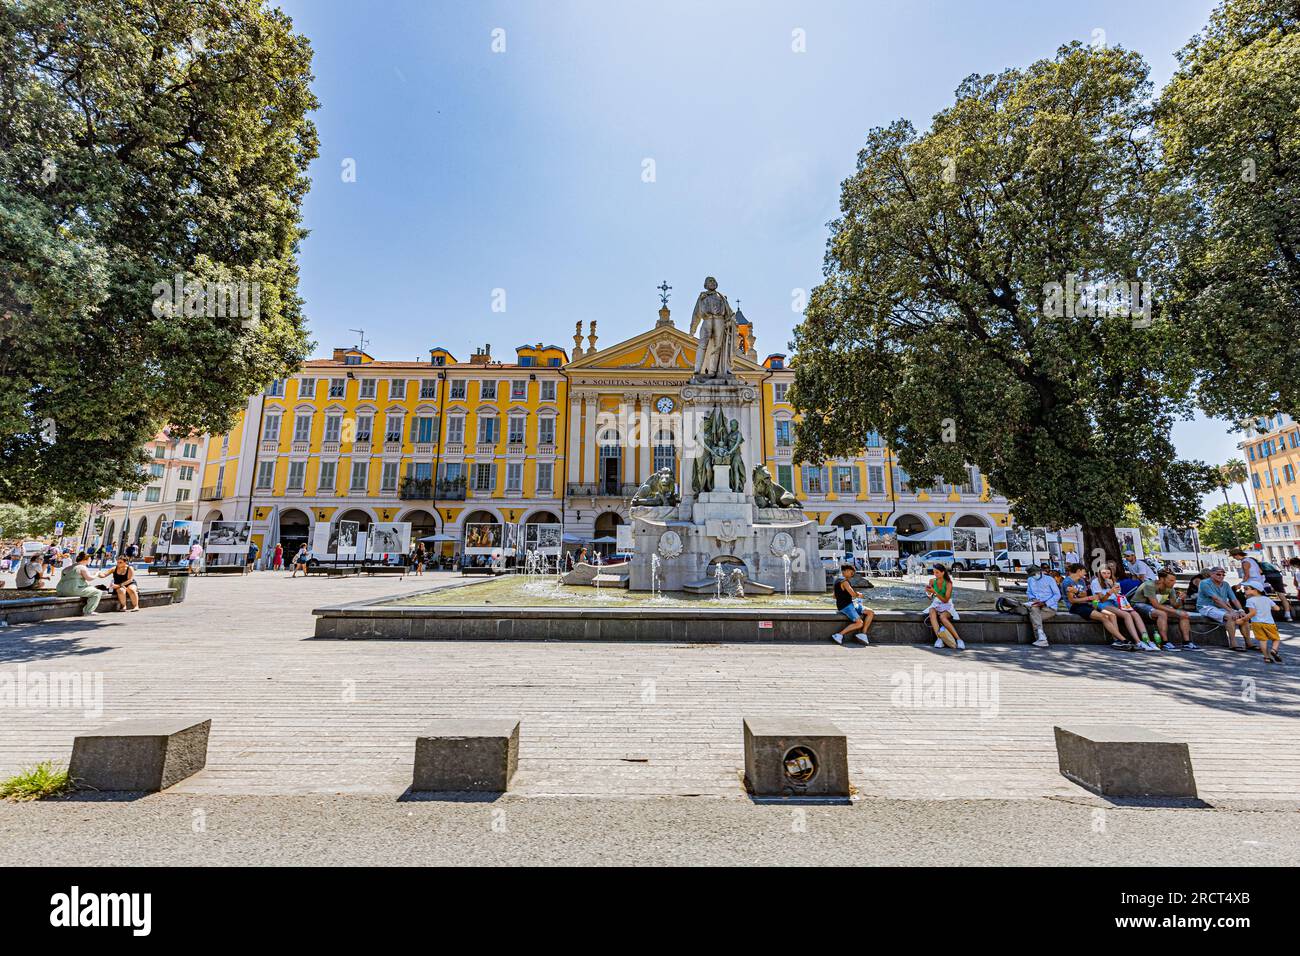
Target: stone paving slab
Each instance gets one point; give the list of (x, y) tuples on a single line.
[(294, 715)]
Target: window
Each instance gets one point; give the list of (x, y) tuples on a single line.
[(1289, 472), (873, 439), (488, 391), (876, 479), (515, 476), (516, 434), (484, 476), (365, 426), (333, 427), (367, 388), (428, 388), (191, 450), (527, 361), (456, 429), (458, 389), (814, 480), (452, 471), (275, 389), (1254, 479), (156, 470), (1251, 450), (397, 388), (328, 469), (424, 429), (846, 480), (665, 453), (393, 426), (297, 475), (488, 431), (153, 494), (265, 474), (186, 472), (302, 427), (306, 388), (221, 479), (548, 392), (360, 475), (352, 360), (420, 470), (225, 444), (182, 494), (902, 481), (545, 471), (388, 479), (784, 431), (779, 390), (518, 390), (546, 431), (783, 476), (271, 428), (159, 451), (338, 387)]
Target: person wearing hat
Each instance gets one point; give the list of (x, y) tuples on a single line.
[(1139, 569), (1259, 618), (1215, 600)]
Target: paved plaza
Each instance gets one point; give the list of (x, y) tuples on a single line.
[(296, 715)]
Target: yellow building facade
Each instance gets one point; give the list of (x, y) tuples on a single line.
[(1272, 451), (554, 436)]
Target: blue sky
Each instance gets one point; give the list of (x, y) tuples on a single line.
[(525, 170)]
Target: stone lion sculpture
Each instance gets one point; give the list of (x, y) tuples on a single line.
[(768, 494), (660, 489)]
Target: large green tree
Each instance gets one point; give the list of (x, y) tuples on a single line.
[(141, 140), (37, 521), (1229, 121), (938, 326), (1228, 526)]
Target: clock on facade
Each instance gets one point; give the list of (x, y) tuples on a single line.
[(665, 405)]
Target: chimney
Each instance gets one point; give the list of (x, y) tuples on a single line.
[(481, 356), (340, 354)]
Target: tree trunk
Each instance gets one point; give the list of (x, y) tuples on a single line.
[(1100, 545)]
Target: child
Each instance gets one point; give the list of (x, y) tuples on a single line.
[(1259, 620), (942, 611), (848, 602)]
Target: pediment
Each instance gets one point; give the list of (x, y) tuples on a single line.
[(666, 348)]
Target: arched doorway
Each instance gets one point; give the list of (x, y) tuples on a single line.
[(109, 532), (482, 536), (906, 524), (141, 530), (606, 538), (295, 531), (362, 518)]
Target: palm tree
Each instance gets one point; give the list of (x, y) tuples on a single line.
[(1234, 471)]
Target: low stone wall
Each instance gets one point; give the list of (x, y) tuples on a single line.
[(32, 610), (376, 620)]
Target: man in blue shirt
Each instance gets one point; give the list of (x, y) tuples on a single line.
[(1215, 600), (1041, 599)]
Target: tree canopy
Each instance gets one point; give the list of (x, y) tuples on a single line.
[(1229, 122), (963, 314), (1227, 526), (140, 142)]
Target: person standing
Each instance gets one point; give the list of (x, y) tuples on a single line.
[(195, 557), (251, 562), (77, 581), (848, 602), (300, 561), (277, 557), (1258, 616)]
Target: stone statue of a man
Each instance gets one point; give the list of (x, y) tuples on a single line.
[(716, 322)]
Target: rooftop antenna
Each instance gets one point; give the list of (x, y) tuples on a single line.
[(361, 347)]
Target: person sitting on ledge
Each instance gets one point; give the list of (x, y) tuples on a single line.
[(1159, 601), (848, 602), (77, 581), (1083, 603), (1041, 598), (30, 575), (942, 611), (1215, 600), (124, 587)]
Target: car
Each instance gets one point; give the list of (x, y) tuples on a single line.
[(946, 558)]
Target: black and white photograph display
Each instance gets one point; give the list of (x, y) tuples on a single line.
[(164, 537), (858, 535), (971, 542), (1178, 544), (228, 537), (830, 541), (343, 539), (542, 538), (389, 537)]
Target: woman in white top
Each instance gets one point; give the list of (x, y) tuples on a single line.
[(1110, 597)]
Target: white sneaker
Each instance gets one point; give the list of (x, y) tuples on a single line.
[(938, 642), (1191, 646), (961, 645), (1151, 647), (1042, 641), (838, 639)]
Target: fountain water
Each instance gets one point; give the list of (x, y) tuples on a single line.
[(785, 560), (656, 585), (719, 575)]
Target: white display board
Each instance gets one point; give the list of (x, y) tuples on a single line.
[(624, 535), (1178, 544), (971, 542), (343, 539), (830, 541), (389, 537), (484, 538), (543, 538), (183, 534), (228, 537)]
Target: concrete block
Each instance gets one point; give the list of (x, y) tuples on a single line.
[(477, 755), (149, 754), (795, 757), (1119, 761)]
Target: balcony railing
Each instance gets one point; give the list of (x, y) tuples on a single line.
[(602, 489), (210, 493), (426, 489)]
